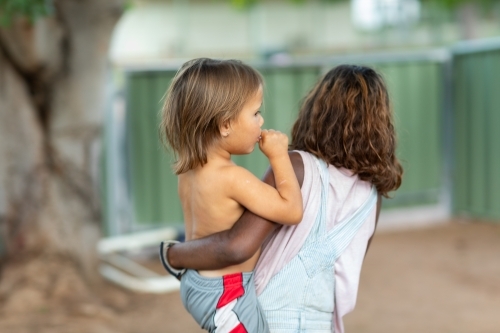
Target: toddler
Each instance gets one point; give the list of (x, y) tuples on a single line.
[(212, 111)]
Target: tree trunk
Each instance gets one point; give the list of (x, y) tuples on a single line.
[(468, 19), (52, 92)]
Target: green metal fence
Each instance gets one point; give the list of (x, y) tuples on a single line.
[(476, 98), (415, 87), (416, 90)]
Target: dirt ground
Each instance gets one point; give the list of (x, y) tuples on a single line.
[(442, 279)]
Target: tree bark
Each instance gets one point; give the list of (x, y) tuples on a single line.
[(52, 95), (468, 17)]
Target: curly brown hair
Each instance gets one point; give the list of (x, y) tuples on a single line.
[(346, 120)]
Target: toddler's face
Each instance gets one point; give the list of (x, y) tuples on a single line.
[(245, 130)]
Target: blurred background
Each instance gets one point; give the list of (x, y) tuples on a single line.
[(439, 58), (434, 264)]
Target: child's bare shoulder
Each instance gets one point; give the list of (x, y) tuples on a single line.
[(234, 173)]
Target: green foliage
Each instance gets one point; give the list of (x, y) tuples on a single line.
[(129, 4), (303, 1), (32, 9), (250, 3), (243, 3), (456, 3)]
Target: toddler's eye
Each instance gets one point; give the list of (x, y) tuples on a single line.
[(258, 112)]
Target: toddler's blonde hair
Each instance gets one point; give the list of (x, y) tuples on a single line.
[(204, 94)]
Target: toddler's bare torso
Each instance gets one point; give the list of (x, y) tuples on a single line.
[(208, 209)]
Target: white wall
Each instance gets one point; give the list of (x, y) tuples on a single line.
[(157, 31), (165, 31)]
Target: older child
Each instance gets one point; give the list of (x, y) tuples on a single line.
[(307, 276), (212, 112)]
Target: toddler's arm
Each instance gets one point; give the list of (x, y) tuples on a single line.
[(232, 246), (282, 204)]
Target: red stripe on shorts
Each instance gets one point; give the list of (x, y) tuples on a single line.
[(239, 329), (233, 288)]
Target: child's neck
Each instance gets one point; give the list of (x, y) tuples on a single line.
[(218, 154)]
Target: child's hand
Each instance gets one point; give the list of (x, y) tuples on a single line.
[(273, 143)]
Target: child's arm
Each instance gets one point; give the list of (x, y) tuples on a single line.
[(232, 246), (283, 204)]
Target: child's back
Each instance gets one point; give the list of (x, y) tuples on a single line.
[(208, 208)]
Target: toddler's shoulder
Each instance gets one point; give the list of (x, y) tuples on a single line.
[(233, 173)]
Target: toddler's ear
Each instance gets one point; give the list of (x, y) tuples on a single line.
[(225, 129)]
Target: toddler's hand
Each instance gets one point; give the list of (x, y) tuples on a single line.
[(273, 143)]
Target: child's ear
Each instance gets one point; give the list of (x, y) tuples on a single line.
[(225, 129)]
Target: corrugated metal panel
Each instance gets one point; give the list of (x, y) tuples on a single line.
[(477, 135), (153, 184), (416, 94)]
